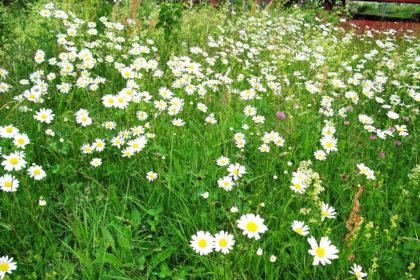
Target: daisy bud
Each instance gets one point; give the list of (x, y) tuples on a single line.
[(42, 202), (234, 209)]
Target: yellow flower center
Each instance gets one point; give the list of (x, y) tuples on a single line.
[(13, 161), (8, 184), (9, 130), (297, 186), (299, 230), (252, 226), (329, 145), (226, 184), (325, 214), (202, 243), (4, 267), (21, 141), (135, 145), (223, 243), (44, 117), (320, 252), (37, 172)]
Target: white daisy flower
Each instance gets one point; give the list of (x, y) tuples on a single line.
[(300, 228), (323, 253), (202, 243), (223, 242), (252, 225)]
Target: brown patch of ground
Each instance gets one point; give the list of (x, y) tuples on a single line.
[(362, 25)]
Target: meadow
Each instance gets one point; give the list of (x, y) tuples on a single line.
[(203, 144)]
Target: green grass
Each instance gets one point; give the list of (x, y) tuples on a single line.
[(110, 222), (393, 10)]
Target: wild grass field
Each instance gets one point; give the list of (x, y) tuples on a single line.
[(262, 144)]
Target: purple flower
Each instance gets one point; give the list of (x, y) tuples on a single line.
[(281, 115), (372, 137), (397, 143), (381, 154)]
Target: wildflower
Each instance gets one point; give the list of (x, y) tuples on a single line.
[(42, 202), (236, 171), (87, 149), (298, 186), (222, 161), (128, 152), (356, 270), (7, 265), (364, 119), (363, 169), (402, 130), (226, 183), (8, 131), (273, 258), (36, 172), (14, 161), (82, 118), (98, 145), (327, 212), (39, 56), (250, 111), (8, 183), (44, 116), (202, 243), (259, 251), (223, 242), (329, 143), (141, 115), (324, 252), (4, 87), (45, 13), (151, 176), (178, 122), (234, 209), (328, 130), (281, 115), (264, 148), (300, 228), (392, 115), (252, 225), (205, 195), (110, 125), (320, 155), (95, 162), (21, 140)]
